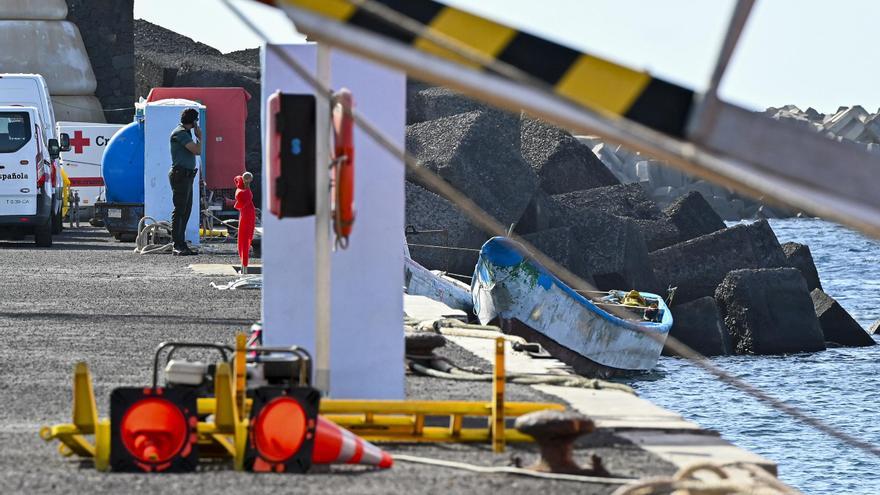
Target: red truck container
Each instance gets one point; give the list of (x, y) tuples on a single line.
[(224, 142)]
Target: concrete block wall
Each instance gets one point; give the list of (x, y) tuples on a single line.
[(846, 124), (107, 29), (665, 184)]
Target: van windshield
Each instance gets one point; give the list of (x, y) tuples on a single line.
[(15, 131)]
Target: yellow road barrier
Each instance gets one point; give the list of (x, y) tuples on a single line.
[(225, 436)]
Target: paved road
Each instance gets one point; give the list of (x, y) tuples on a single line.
[(91, 298)]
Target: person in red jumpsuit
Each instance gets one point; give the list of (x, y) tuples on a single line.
[(247, 216)]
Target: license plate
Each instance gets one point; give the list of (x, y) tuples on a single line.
[(114, 213)]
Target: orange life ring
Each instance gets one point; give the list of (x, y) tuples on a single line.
[(343, 167)]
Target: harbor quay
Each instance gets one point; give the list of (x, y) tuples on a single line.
[(92, 299)]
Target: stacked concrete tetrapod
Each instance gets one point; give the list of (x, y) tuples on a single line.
[(665, 184), (36, 38), (853, 124)]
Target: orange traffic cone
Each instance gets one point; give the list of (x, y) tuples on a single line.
[(336, 445)]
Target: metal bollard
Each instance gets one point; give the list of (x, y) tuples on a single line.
[(556, 432)]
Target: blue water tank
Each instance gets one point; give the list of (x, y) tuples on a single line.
[(123, 165)]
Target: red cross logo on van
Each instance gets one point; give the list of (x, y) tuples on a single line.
[(78, 142)]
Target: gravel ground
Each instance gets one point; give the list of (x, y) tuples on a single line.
[(91, 298)]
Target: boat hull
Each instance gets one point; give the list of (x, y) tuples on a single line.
[(511, 287), (419, 281)]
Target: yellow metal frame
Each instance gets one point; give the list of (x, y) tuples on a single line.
[(72, 437), (374, 420), (497, 425), (226, 436), (405, 421)]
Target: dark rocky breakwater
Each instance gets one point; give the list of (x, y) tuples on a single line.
[(739, 291)]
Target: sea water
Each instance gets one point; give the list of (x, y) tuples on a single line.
[(839, 386)]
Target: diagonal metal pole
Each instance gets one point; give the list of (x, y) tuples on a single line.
[(710, 105)]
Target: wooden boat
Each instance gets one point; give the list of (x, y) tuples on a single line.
[(419, 281), (514, 291)]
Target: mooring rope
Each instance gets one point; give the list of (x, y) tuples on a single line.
[(510, 470), (684, 482), (150, 234)]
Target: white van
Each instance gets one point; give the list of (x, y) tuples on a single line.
[(30, 90), (25, 175)]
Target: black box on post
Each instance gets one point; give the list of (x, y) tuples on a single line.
[(291, 149)]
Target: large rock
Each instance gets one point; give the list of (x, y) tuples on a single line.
[(697, 266), (558, 244), (562, 163), (693, 216), (478, 153), (799, 256), (249, 57), (699, 325), (769, 311), (605, 250), (623, 200), (452, 249), (171, 49), (426, 103), (837, 325), (658, 233)]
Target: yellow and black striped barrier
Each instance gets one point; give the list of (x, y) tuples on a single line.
[(593, 82)]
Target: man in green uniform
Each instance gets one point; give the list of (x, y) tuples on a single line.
[(183, 171)]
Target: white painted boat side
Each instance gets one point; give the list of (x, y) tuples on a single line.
[(420, 281)]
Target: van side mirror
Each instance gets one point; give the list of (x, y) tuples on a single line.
[(54, 148), (65, 142)]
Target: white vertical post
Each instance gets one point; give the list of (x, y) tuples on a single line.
[(366, 278), (322, 228)]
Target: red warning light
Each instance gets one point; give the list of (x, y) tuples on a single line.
[(281, 433), (154, 430), (280, 429)]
